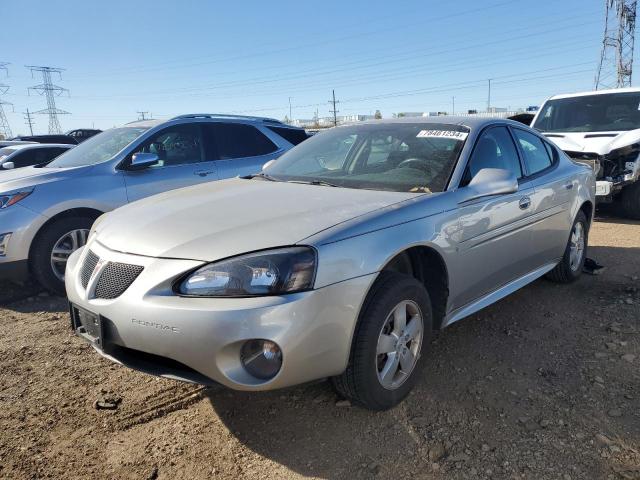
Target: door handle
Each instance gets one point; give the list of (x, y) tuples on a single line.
[(203, 173), (525, 202), (569, 186)]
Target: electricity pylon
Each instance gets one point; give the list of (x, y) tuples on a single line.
[(616, 57), (5, 129), (50, 91)]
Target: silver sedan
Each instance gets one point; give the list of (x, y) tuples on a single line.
[(339, 260)]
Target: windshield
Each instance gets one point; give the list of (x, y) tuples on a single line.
[(400, 157), (99, 148), (591, 113)]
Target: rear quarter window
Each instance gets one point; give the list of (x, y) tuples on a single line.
[(291, 135)]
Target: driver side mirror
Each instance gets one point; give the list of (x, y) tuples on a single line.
[(140, 161), (8, 165), (488, 182)]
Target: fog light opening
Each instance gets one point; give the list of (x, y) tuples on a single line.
[(261, 358)]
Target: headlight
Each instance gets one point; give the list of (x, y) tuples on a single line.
[(8, 199), (270, 272)]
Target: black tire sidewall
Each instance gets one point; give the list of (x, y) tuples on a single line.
[(375, 315), (43, 246), (566, 260)]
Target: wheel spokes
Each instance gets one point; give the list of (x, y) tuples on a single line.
[(389, 370), (400, 318), (386, 344), (407, 360)]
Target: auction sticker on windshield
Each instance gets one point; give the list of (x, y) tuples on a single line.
[(462, 136)]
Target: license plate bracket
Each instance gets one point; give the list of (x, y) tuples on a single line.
[(87, 325)]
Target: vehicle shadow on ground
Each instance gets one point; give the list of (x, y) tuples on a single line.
[(508, 384), (29, 297)]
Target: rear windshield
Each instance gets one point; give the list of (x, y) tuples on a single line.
[(401, 157), (591, 113)]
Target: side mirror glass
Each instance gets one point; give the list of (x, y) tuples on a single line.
[(488, 182), (268, 164), (8, 165), (140, 161)]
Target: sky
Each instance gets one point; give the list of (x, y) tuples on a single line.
[(257, 58)]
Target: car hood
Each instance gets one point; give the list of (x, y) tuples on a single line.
[(220, 219), (18, 178), (593, 142)]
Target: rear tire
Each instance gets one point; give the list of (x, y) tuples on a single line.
[(369, 379), (630, 200), (570, 267), (60, 234)]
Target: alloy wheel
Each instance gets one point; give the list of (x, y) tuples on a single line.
[(399, 344), (64, 247), (576, 246)]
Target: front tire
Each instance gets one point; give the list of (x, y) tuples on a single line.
[(570, 267), (393, 331), (630, 199), (52, 248)]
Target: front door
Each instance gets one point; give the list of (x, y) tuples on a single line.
[(182, 162), (494, 235)]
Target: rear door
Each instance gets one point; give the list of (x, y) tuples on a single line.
[(182, 162), (240, 149), (494, 238), (551, 199)]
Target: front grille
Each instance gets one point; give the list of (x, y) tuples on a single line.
[(88, 266), (115, 279)]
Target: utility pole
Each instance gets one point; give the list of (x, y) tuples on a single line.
[(28, 120), (616, 56), (5, 129), (489, 97), (50, 91), (453, 105), (334, 111), (142, 115), (290, 114)]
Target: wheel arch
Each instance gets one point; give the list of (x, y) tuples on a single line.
[(426, 265), (70, 213)]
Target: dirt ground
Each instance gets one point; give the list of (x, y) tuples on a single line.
[(543, 385)]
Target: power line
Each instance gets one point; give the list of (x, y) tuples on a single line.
[(50, 91), (334, 111), (616, 56), (28, 120), (5, 129)]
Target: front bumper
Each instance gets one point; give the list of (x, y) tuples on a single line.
[(149, 328), (22, 224)]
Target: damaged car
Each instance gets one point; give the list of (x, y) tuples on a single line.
[(601, 129), (338, 260)]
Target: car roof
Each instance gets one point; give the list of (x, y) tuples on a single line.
[(214, 116), (37, 145), (472, 122), (596, 92)]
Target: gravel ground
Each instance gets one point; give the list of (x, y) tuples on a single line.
[(542, 385)]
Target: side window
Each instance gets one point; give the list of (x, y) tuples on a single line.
[(48, 154), (536, 152), (291, 135), (177, 145), (24, 159), (236, 140), (494, 149)]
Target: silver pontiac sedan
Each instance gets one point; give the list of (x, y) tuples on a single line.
[(339, 260)]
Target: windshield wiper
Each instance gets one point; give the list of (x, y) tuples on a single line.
[(314, 182), (264, 176)]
